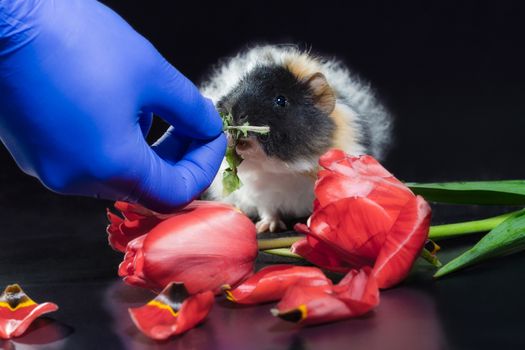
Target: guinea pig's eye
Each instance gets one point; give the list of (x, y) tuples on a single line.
[(280, 101)]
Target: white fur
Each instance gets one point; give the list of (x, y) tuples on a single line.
[(273, 188), (270, 189)]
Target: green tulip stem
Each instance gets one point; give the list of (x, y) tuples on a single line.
[(247, 128), (464, 228), (275, 243), (282, 252)]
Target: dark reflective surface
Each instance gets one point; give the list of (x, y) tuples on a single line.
[(67, 261), (234, 327), (453, 75)]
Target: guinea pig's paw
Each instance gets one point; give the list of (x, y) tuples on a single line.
[(272, 224)]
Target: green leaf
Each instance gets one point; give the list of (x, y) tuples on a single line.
[(233, 159), (505, 192), (230, 182), (506, 238)]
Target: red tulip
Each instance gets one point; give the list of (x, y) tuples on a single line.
[(363, 217), (205, 246), (355, 295), (271, 283), (136, 222), (18, 311), (172, 312)]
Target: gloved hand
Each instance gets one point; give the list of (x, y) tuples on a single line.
[(78, 87)]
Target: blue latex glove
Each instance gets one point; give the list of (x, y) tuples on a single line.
[(78, 87)]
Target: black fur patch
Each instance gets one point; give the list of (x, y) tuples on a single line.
[(297, 130)]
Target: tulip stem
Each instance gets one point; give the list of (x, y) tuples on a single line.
[(282, 252), (247, 128), (274, 243), (464, 228)]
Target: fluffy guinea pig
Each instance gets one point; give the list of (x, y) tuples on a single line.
[(311, 104)]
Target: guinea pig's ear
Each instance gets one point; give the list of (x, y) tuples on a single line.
[(324, 96)]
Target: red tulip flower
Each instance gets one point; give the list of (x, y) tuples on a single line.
[(205, 245), (172, 312), (18, 311), (136, 221), (355, 295), (363, 216), (271, 283)]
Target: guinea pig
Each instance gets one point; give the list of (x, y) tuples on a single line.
[(311, 104)]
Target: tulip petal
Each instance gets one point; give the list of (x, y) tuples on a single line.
[(356, 295), (310, 305), (359, 289), (131, 211), (132, 265), (205, 245), (172, 312), (270, 283), (360, 177), (355, 228), (332, 186), (332, 156), (403, 244), (320, 254), (365, 165), (18, 311), (137, 221)]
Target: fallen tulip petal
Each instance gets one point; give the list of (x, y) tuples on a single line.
[(172, 312), (271, 283), (310, 305), (18, 311), (403, 244), (359, 289), (354, 296)]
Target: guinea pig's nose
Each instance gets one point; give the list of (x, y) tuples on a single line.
[(244, 144)]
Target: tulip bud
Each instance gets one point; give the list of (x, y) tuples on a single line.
[(205, 246)]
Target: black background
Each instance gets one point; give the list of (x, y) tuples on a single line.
[(452, 74)]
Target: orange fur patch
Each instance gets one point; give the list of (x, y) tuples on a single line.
[(301, 66), (344, 134)]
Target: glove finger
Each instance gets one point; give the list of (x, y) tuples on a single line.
[(178, 101), (172, 147), (145, 121), (163, 186)]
